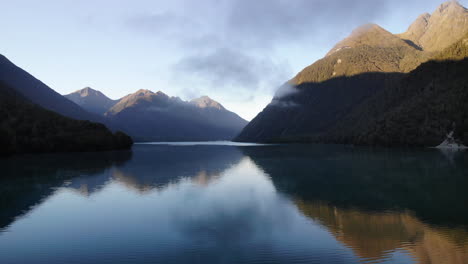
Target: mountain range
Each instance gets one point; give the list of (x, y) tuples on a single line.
[(155, 116), (378, 88), (35, 118)]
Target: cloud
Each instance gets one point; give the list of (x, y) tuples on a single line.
[(219, 36), (228, 66), (233, 68), (269, 21), (259, 23), (283, 104), (162, 24), (282, 96), (285, 90)]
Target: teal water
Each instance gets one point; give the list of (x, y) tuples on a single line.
[(229, 203)]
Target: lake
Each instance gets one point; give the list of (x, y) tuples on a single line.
[(229, 203)]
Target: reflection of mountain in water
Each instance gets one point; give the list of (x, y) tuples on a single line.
[(425, 181), (154, 167), (27, 180), (374, 236), (377, 202)]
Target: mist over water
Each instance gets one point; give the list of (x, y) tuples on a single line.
[(190, 203)]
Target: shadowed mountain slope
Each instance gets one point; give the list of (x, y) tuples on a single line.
[(27, 127), (419, 110), (39, 93)]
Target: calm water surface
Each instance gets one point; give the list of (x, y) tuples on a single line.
[(191, 203)]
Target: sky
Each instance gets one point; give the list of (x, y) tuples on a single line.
[(238, 52)]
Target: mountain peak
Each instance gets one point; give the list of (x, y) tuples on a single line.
[(368, 35), (435, 32), (366, 28), (148, 93), (450, 6), (417, 29), (143, 92), (92, 100), (206, 102), (88, 91)]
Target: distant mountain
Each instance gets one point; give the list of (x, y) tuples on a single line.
[(149, 116), (92, 100), (39, 93), (206, 102), (314, 105), (27, 127)]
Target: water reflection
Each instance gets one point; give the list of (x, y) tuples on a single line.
[(224, 204), (374, 236), (378, 202), (425, 181), (156, 166), (27, 180)]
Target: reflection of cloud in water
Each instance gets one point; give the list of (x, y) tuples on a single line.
[(229, 214), (238, 209)]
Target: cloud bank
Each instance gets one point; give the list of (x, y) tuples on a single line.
[(234, 44)]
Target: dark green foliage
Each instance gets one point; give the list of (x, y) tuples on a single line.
[(391, 109), (362, 59), (26, 127), (415, 109), (314, 109), (419, 111)]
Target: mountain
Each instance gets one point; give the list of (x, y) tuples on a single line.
[(39, 93), (28, 127), (369, 35), (417, 29), (206, 102), (439, 30), (321, 99), (91, 100), (369, 48), (149, 116), (419, 110)]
